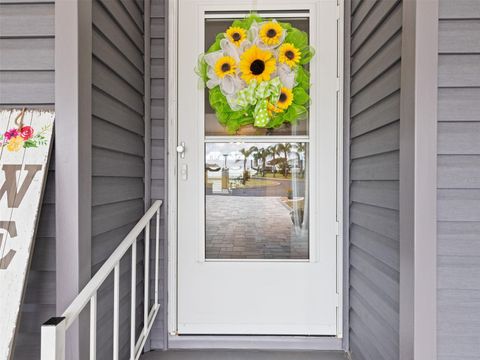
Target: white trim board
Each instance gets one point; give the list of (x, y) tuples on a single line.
[(418, 180), (255, 342), (73, 161), (234, 341)]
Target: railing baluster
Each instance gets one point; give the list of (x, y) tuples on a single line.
[(146, 282), (157, 254), (93, 327), (133, 301), (116, 305)]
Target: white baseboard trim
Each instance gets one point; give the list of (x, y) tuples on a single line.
[(327, 343)]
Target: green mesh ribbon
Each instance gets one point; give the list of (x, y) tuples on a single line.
[(260, 114), (257, 94)]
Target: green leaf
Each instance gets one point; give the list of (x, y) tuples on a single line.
[(29, 144), (201, 68), (239, 23), (308, 53), (302, 78), (300, 96), (216, 45), (299, 111), (286, 26), (297, 37), (250, 19)]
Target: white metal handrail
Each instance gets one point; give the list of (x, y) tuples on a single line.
[(54, 330)]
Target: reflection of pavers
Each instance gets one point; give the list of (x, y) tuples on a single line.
[(250, 227)]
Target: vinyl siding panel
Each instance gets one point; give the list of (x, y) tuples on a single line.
[(458, 196), (159, 163), (27, 79), (374, 173), (118, 164), (27, 54)]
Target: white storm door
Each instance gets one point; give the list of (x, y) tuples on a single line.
[(256, 246)]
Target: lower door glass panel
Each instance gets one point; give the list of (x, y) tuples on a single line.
[(256, 200)]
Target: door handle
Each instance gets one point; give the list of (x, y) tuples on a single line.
[(181, 150)]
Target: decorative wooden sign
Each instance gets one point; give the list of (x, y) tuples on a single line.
[(25, 142)]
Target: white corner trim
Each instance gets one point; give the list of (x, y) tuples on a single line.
[(346, 173), (172, 163), (73, 159), (418, 180), (147, 106)]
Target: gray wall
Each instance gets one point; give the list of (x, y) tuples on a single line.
[(458, 196), (117, 155), (374, 189), (27, 79), (158, 133)]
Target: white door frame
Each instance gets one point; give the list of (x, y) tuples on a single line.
[(243, 342)]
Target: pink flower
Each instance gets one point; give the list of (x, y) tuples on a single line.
[(26, 132), (12, 133)]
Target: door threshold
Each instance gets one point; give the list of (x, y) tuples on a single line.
[(255, 342)]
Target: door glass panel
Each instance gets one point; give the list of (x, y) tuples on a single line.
[(212, 126), (256, 200)]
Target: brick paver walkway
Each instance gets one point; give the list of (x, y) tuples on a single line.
[(248, 227)]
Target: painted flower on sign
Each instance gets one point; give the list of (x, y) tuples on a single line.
[(12, 133), (255, 74), (26, 132), (24, 137), (15, 144)]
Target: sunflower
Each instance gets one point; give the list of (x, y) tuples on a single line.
[(273, 109), (225, 66), (289, 54), (285, 99), (271, 33), (257, 64), (236, 35)]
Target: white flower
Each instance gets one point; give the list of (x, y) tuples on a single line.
[(229, 49), (286, 75), (229, 84)]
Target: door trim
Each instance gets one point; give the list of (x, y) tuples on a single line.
[(232, 341)]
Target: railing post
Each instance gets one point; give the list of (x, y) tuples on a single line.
[(53, 339)]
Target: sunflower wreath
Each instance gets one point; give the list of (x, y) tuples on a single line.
[(255, 73)]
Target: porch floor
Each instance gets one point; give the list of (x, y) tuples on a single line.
[(243, 355)]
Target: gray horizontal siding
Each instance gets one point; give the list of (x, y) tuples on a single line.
[(374, 173), (27, 53), (158, 134), (458, 196), (27, 79), (117, 157)]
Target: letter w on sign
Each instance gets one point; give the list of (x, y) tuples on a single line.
[(15, 195), (25, 143)]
